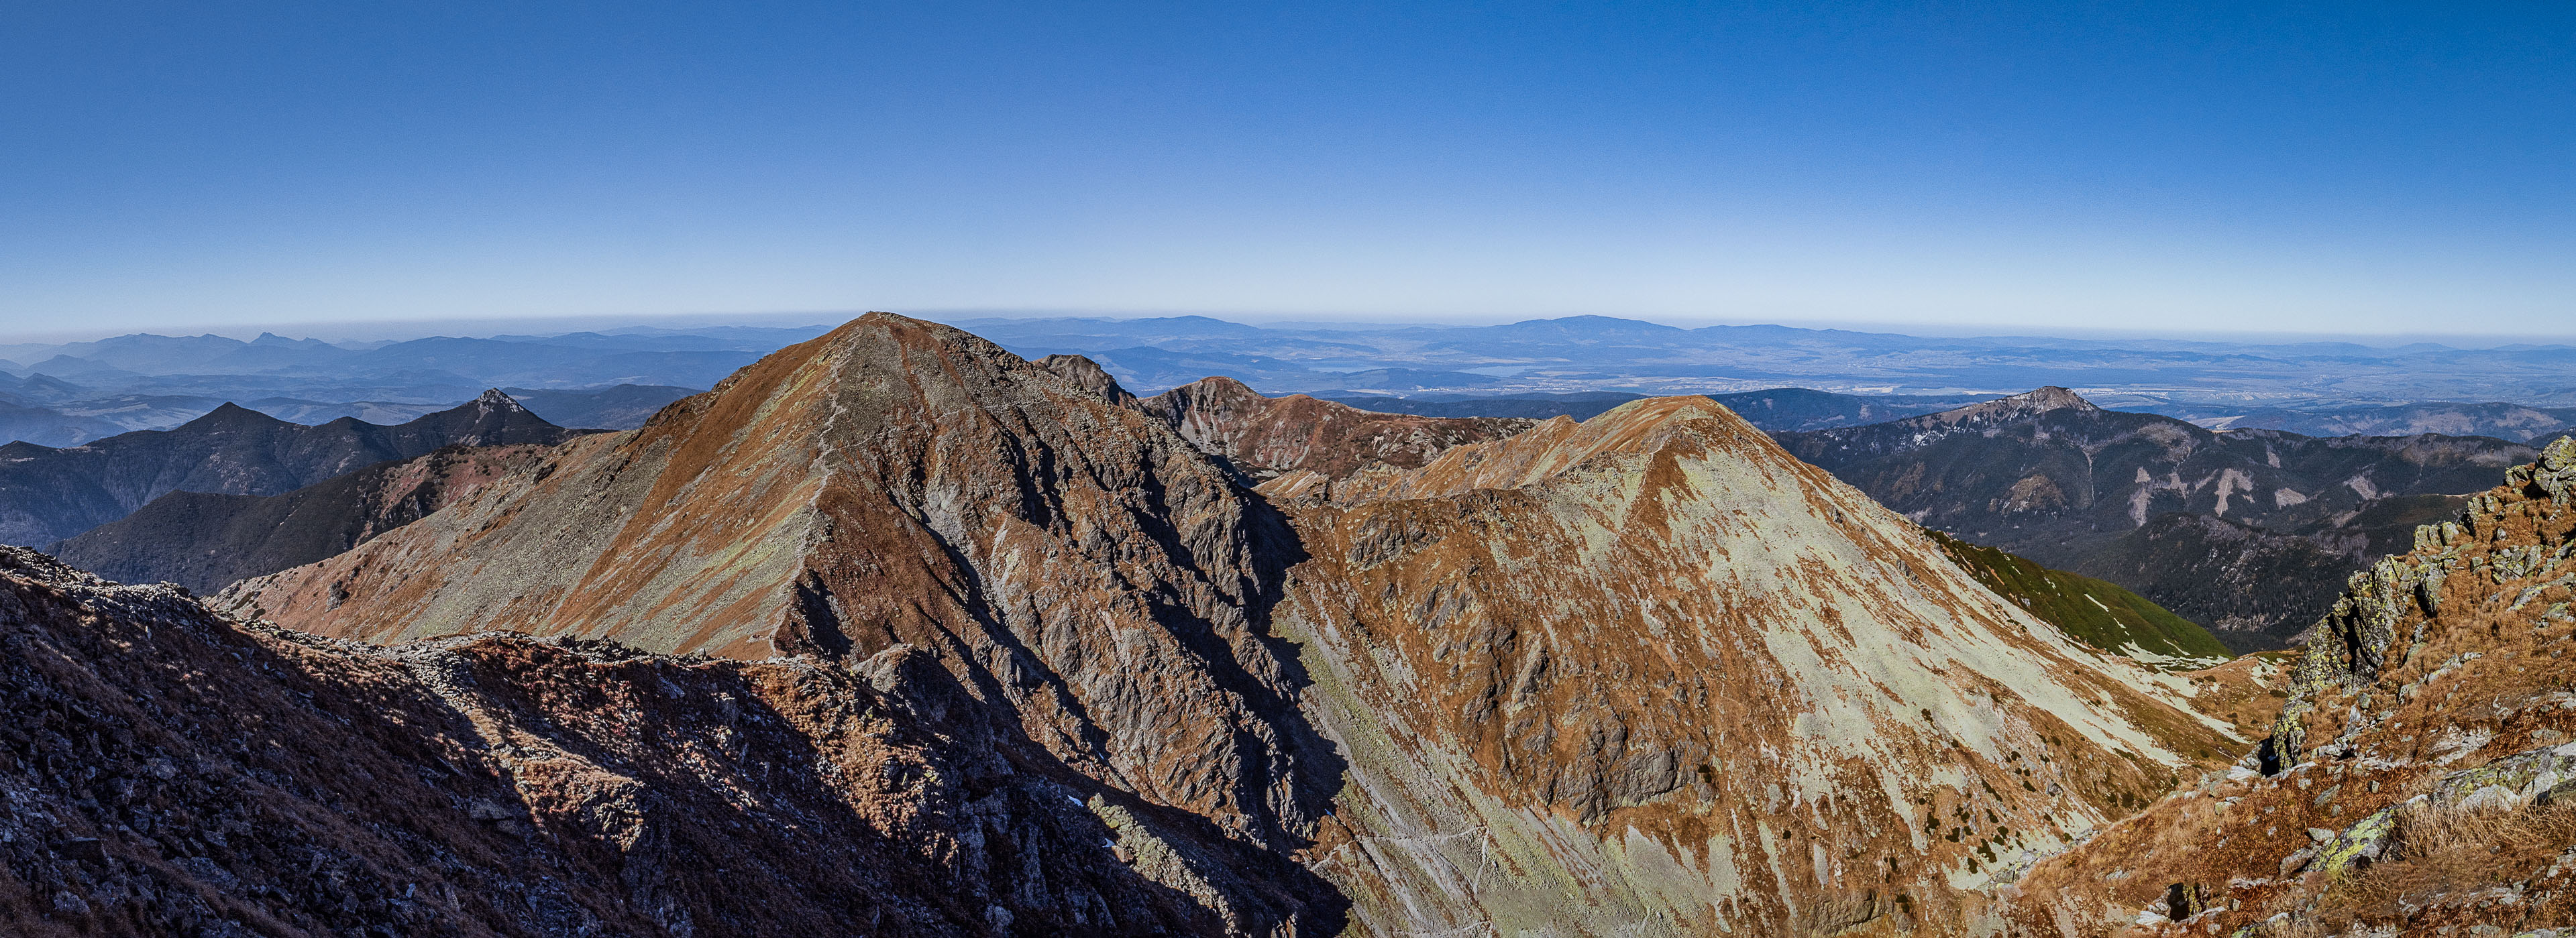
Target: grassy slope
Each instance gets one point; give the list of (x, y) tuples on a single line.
[(2096, 612)]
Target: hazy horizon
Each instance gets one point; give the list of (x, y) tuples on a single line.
[(360, 330)]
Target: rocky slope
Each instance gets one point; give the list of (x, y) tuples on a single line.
[(1641, 673), (171, 772), (1264, 437), (2049, 476), (205, 541), (2417, 783), (48, 494), (1648, 674)]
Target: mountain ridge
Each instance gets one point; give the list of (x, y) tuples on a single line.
[(49, 494), (1250, 667), (2049, 476)]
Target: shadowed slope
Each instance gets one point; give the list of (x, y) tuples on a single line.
[(174, 773), (206, 541), (49, 494), (2095, 612)]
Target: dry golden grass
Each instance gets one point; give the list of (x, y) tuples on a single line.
[(2437, 850)]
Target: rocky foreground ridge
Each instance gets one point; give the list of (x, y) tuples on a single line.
[(2420, 779), (170, 771)]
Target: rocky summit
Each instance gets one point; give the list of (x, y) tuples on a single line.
[(1643, 674), (2419, 780)]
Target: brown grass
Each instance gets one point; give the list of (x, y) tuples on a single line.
[(2438, 850)]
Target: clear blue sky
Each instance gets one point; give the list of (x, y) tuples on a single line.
[(2337, 167)]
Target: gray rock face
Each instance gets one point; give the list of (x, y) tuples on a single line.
[(2554, 474)]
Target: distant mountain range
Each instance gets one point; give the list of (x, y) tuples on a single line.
[(206, 541), (1594, 353), (67, 393), (48, 494), (2246, 531)]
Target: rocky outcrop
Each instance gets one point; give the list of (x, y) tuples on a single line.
[(171, 772), (2245, 532), (206, 541), (1266, 437), (47, 494), (1088, 375), (2417, 781)]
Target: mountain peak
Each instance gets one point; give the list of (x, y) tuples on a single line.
[(1088, 374), (493, 398), (1553, 447), (229, 416), (2021, 406), (2050, 398)]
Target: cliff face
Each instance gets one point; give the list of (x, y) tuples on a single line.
[(47, 494), (1265, 437), (1647, 672), (2418, 780), (173, 772)]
